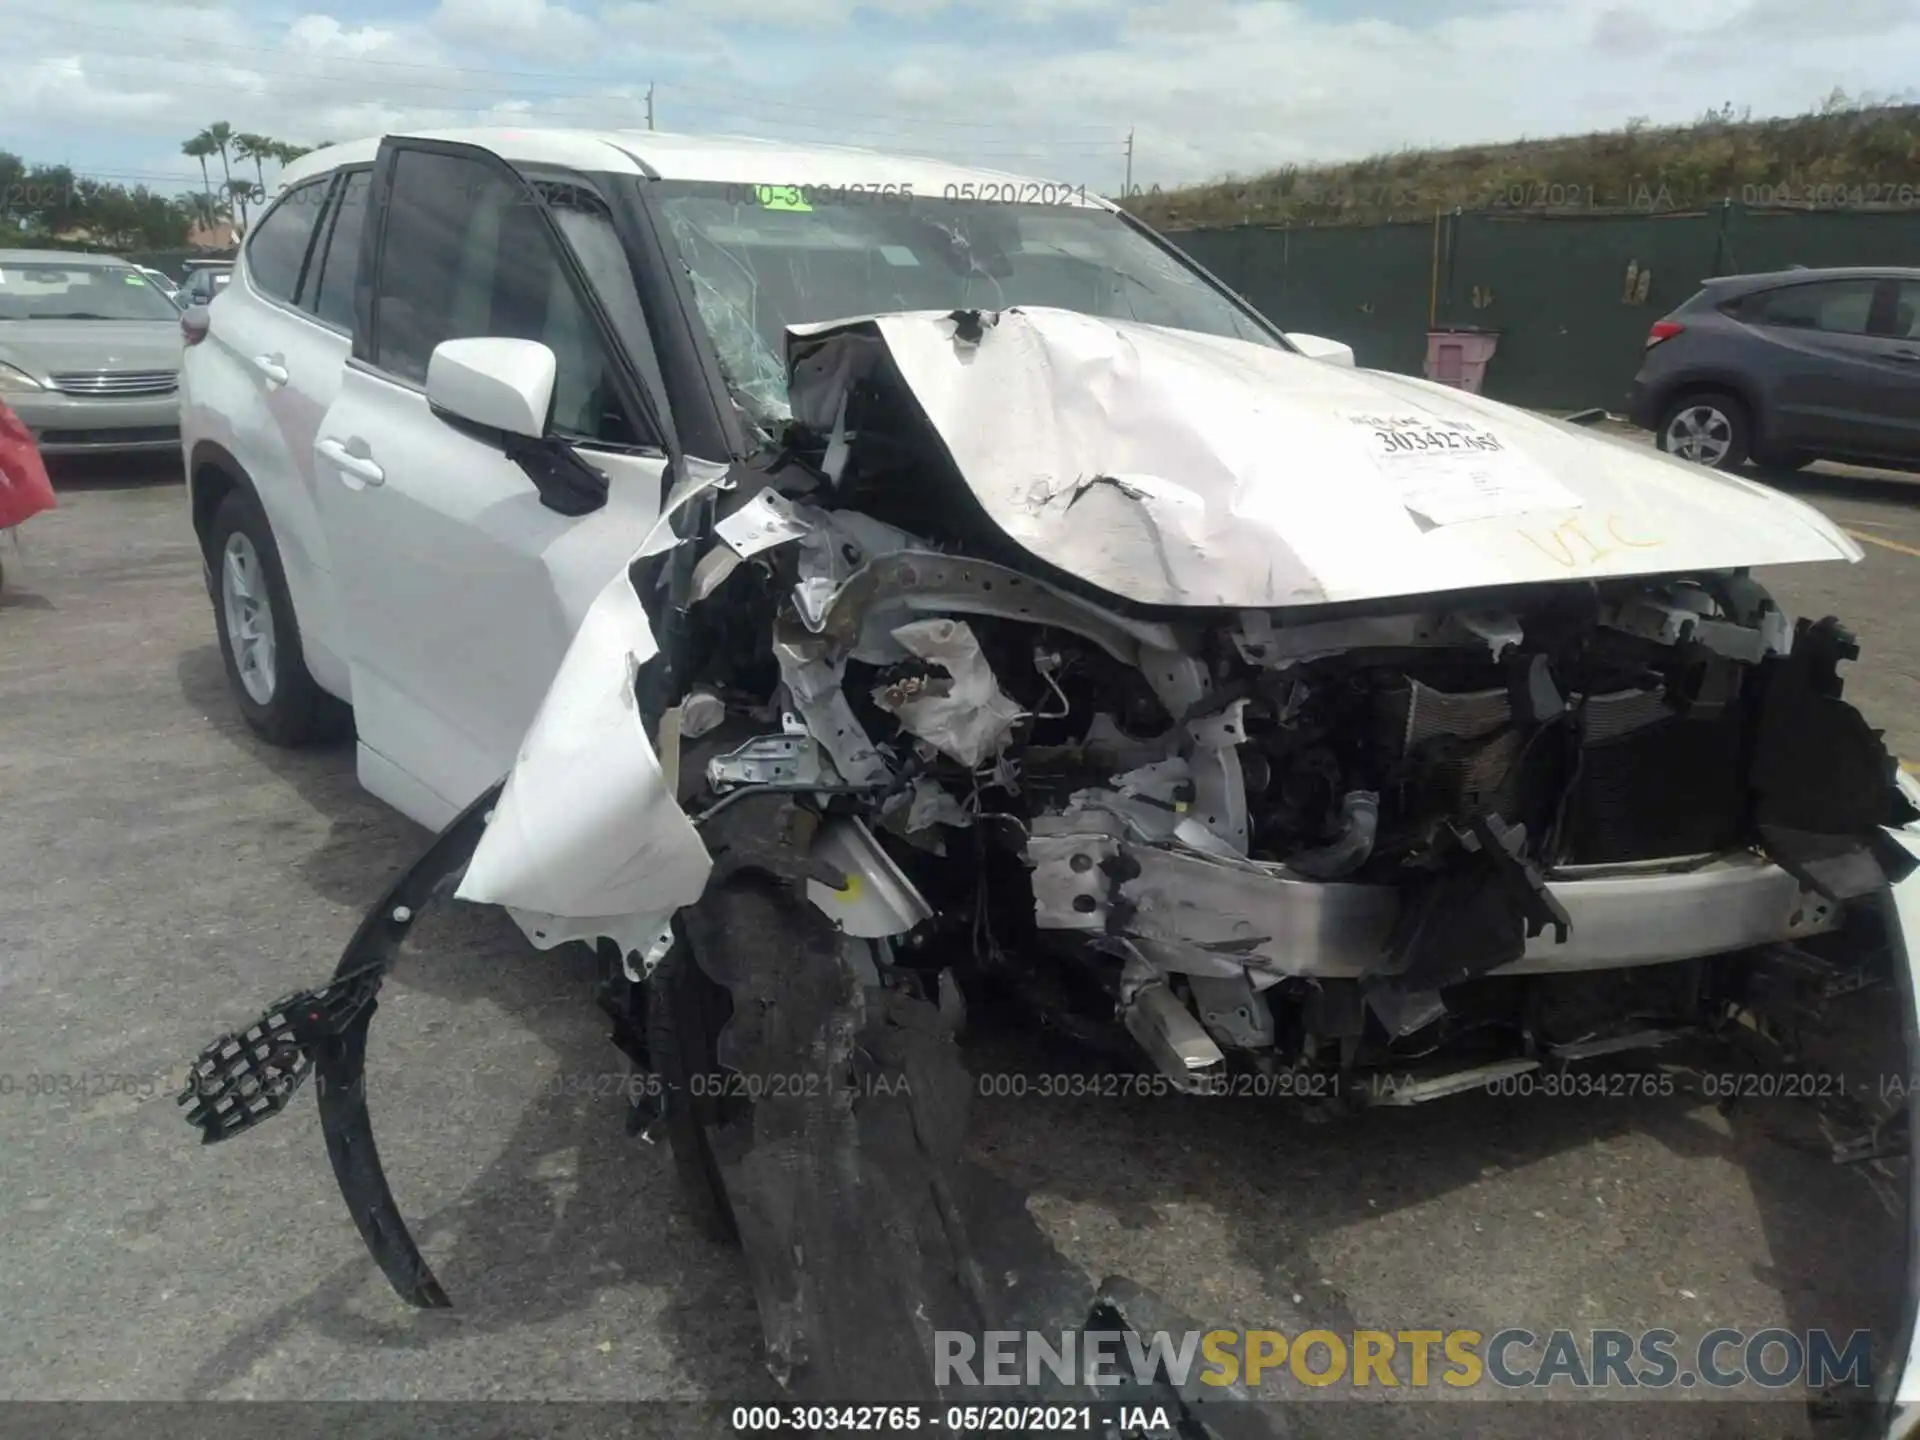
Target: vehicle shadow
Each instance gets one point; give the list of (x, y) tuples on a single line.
[(115, 472), (12, 597), (366, 843)]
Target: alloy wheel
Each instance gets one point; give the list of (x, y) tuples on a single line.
[(243, 594), (1700, 433)]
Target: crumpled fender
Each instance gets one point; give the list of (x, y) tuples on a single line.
[(587, 838)]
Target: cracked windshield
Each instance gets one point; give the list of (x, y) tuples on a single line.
[(763, 258)]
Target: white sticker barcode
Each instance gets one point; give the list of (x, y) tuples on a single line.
[(1448, 471)]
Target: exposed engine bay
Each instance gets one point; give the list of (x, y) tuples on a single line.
[(1252, 838)]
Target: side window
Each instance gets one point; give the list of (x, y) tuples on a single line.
[(331, 292), (1838, 307), (463, 255), (1905, 324), (277, 248)]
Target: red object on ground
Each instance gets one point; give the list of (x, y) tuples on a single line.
[(25, 489)]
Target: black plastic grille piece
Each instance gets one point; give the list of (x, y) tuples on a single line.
[(248, 1076)]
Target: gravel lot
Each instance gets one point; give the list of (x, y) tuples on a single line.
[(162, 875)]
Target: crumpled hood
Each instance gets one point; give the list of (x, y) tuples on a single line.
[(1183, 469)]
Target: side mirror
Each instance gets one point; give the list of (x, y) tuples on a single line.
[(1315, 347), (506, 388), (504, 385)]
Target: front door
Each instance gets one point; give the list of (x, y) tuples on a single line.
[(460, 588)]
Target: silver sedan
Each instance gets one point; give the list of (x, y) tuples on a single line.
[(89, 353)]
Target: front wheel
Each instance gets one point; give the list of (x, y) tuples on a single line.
[(1708, 429), (259, 640)]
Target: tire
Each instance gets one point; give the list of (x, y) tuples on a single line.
[(1706, 427), (276, 694), (685, 1010)]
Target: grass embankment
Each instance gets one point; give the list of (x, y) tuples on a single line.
[(1845, 154)]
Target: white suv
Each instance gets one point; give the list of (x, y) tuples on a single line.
[(952, 551)]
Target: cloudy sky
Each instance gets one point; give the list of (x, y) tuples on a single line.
[(1043, 86)]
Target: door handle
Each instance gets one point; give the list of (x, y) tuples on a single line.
[(1910, 356), (352, 467), (271, 368)]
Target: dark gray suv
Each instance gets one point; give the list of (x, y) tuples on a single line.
[(1787, 368)]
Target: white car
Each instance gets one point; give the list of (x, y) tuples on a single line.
[(160, 280), (878, 582)]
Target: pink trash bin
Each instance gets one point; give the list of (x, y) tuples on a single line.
[(1459, 357)]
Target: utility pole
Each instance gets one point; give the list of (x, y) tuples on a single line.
[(649, 105), (1127, 189)]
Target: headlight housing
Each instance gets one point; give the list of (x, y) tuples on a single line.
[(15, 381)]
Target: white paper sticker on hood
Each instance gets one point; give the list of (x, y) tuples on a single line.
[(1448, 470)]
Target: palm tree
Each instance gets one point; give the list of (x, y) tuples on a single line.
[(248, 146), (200, 147), (239, 190), (221, 134)]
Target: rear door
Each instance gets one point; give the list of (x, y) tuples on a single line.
[(460, 588), (1828, 376), (289, 359)]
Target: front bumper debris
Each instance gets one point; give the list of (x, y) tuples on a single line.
[(248, 1076)]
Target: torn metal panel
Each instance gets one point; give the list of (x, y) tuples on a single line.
[(701, 477), (767, 520), (1183, 469), (970, 718), (836, 545)]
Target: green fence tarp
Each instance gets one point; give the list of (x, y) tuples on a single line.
[(1571, 296)]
